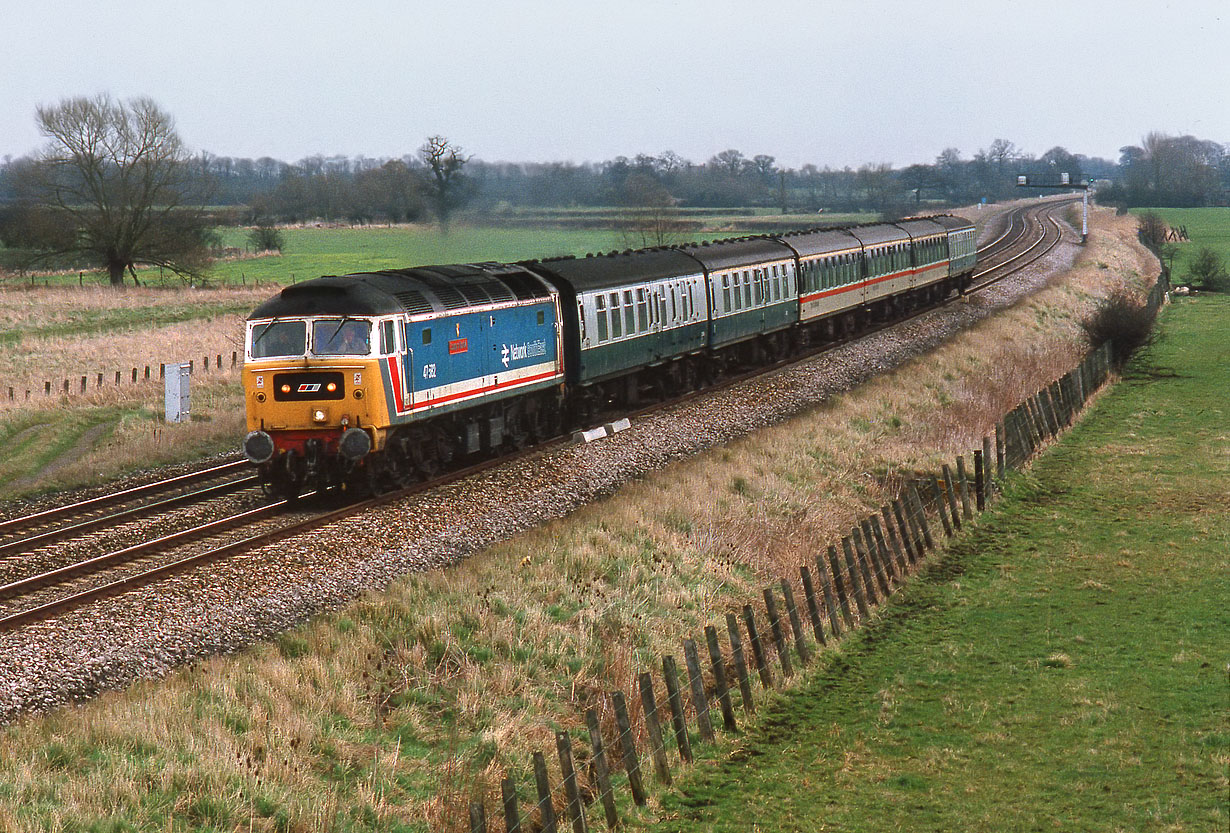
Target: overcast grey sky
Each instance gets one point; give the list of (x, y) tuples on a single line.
[(828, 82)]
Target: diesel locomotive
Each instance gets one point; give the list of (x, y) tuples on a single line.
[(377, 379)]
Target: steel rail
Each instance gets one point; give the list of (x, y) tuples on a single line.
[(119, 586), (42, 539), (50, 515)]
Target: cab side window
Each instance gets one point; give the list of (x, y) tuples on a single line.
[(387, 342)]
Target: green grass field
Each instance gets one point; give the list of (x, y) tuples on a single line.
[(1206, 227), (1064, 667)]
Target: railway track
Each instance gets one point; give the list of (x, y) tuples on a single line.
[(33, 595)]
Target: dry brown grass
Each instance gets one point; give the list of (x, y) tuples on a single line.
[(402, 704)]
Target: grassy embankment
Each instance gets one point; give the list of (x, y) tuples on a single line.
[(385, 715), (1063, 667)]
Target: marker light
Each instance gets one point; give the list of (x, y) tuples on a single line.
[(331, 387), (318, 415), (285, 388)]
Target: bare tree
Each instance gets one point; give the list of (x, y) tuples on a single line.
[(649, 216), (117, 183), (447, 186)]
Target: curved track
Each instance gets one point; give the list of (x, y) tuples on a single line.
[(28, 596)]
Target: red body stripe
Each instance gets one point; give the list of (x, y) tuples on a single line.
[(478, 391), (395, 373), (863, 284)]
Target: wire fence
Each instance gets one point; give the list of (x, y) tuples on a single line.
[(96, 381), (837, 592)]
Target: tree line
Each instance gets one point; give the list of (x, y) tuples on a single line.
[(116, 187)]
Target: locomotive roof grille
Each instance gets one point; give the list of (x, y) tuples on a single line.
[(414, 301)]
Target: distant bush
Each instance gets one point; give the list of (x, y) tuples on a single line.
[(266, 239), (1124, 320), (1208, 272)]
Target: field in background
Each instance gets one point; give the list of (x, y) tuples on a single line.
[(391, 711), (1206, 227), (1063, 667)]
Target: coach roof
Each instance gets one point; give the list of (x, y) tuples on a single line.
[(592, 272), (734, 254)]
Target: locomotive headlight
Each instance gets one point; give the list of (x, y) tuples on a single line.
[(319, 415)]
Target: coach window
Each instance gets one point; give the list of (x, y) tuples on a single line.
[(629, 315), (642, 312), (616, 329), (600, 316), (747, 288)]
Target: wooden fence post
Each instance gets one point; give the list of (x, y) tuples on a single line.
[(478, 817), (840, 584), (736, 651), (508, 795), (84, 380), (980, 480), (696, 682), (826, 589), (950, 487), (657, 744), (885, 557), (920, 516), (779, 638), (796, 624), (856, 583), (670, 675), (719, 679), (1001, 441), (873, 558), (863, 553), (963, 485), (813, 607), (576, 813), (895, 543), (758, 655), (909, 536), (546, 808), (602, 773), (627, 749)]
